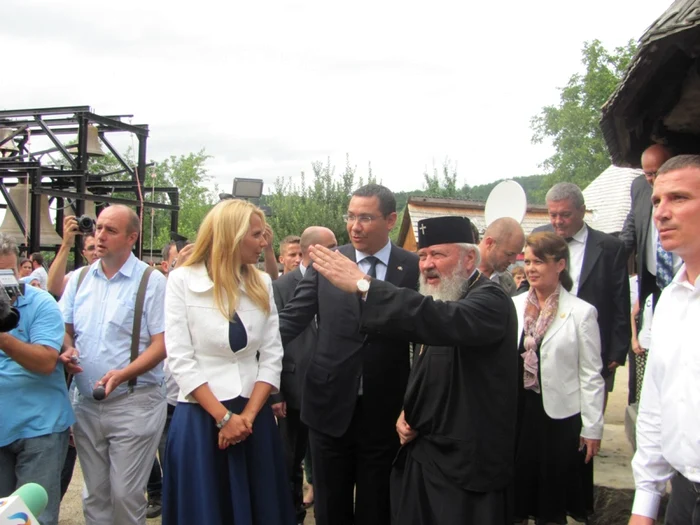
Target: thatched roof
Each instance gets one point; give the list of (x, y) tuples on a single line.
[(659, 98)]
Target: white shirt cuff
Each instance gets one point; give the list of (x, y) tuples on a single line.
[(646, 504)]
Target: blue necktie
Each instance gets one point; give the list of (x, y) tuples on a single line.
[(664, 266), (372, 260)]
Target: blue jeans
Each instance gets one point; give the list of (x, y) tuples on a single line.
[(36, 460)]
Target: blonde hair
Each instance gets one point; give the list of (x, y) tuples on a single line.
[(217, 247)]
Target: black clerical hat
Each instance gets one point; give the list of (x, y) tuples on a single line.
[(444, 230), (176, 237)]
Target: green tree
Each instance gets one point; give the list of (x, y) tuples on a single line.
[(573, 125), (321, 201), (189, 174), (443, 184)]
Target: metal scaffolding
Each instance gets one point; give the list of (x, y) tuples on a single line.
[(70, 179)]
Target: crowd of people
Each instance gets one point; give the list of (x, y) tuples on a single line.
[(451, 385)]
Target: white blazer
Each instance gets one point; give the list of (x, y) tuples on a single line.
[(196, 339), (570, 363)]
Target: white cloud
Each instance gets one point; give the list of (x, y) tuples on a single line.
[(267, 88)]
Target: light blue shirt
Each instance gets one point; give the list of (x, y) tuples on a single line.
[(102, 315), (34, 404), (383, 256)]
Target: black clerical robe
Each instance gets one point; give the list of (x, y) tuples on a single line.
[(461, 399)]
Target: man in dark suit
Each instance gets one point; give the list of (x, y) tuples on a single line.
[(639, 233), (458, 426), (354, 386), (598, 267), (287, 403)]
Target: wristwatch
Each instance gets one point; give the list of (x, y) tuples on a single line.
[(221, 424), (363, 284)]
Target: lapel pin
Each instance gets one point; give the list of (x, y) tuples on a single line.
[(562, 316), (400, 268)]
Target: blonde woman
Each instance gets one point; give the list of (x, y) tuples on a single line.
[(224, 461)]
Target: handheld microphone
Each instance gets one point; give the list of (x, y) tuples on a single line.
[(98, 393), (25, 503)]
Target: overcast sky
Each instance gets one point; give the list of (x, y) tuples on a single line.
[(269, 87)]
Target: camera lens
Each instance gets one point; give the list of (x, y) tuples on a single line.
[(86, 224)]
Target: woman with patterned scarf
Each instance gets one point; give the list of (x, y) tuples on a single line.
[(560, 405)]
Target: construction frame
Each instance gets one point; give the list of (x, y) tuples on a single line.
[(71, 179)]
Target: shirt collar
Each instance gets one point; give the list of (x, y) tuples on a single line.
[(681, 279), (26, 297), (581, 235), (126, 270), (302, 269), (383, 254)]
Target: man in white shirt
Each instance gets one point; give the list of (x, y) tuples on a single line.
[(39, 272), (668, 424)]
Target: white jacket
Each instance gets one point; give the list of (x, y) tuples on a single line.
[(197, 343), (570, 363)]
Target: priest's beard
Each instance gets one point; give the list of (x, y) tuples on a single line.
[(450, 288)]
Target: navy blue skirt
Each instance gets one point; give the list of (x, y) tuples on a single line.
[(245, 484)]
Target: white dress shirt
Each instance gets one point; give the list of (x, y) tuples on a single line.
[(577, 248), (40, 275), (383, 256), (668, 424)]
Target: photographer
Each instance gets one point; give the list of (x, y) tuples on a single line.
[(57, 273), (36, 412)]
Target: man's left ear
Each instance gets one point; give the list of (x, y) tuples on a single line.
[(391, 220)]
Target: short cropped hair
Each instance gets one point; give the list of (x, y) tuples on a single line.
[(678, 163), (8, 245), (387, 201), (566, 190), (289, 239)]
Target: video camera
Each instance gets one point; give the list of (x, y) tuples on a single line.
[(9, 290)]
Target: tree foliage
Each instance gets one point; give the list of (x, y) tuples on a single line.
[(573, 125), (322, 201), (189, 174)]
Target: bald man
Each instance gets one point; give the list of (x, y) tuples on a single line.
[(503, 240), (117, 435), (640, 234), (287, 403)]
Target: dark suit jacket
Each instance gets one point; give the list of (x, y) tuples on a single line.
[(635, 235), (343, 354), (297, 352), (605, 284)]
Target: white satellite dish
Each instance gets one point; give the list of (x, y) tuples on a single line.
[(507, 199)]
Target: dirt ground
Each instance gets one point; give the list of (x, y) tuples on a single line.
[(612, 467)]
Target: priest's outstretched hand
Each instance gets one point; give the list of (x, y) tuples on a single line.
[(338, 269)]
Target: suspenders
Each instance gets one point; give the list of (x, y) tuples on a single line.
[(138, 312)]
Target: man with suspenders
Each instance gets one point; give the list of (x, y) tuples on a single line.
[(113, 312)]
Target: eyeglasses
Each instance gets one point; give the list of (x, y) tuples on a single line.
[(362, 219), (90, 248)]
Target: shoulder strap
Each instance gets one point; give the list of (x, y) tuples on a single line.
[(81, 277), (138, 313)]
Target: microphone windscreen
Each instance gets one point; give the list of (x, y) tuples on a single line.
[(34, 497)]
